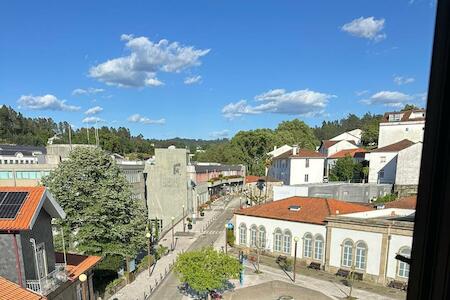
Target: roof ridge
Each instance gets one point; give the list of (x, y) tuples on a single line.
[(328, 205)]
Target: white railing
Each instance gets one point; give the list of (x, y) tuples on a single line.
[(50, 282)]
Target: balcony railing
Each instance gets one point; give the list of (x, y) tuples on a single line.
[(49, 283)]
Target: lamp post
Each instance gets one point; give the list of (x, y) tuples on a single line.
[(148, 235), (83, 279), (173, 244), (184, 230), (295, 253), (226, 244)]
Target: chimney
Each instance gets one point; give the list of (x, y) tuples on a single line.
[(294, 149)]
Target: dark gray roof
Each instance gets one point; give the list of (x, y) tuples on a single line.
[(6, 149), (217, 168)]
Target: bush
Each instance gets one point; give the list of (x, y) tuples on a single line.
[(230, 237), (161, 251), (111, 287), (385, 199), (287, 265), (143, 265)]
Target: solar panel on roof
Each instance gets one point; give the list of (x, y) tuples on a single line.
[(11, 204)]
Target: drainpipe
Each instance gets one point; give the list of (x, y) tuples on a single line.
[(387, 253), (18, 269)]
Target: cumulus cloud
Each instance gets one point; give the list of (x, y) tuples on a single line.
[(221, 134), (45, 102), (400, 80), (88, 91), (368, 28), (93, 110), (300, 102), (146, 59), (389, 98), (192, 79), (137, 118), (92, 120), (361, 93)]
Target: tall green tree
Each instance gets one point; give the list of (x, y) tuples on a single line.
[(296, 132), (343, 170), (101, 216), (207, 269)]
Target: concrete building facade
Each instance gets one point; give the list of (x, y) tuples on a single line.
[(352, 135), (397, 126)]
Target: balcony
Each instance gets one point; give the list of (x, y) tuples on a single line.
[(49, 283)]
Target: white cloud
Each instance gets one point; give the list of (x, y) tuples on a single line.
[(400, 80), (92, 120), (88, 91), (369, 28), (221, 134), (389, 98), (137, 118), (300, 102), (93, 110), (361, 93), (46, 102), (193, 79), (146, 59)]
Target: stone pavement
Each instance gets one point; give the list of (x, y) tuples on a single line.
[(140, 287)]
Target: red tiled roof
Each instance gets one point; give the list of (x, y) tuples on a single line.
[(327, 143), (405, 117), (405, 202), (403, 144), (28, 209), (350, 152), (12, 291), (308, 154), (252, 178), (312, 210), (77, 264)]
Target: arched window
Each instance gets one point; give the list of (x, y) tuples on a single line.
[(307, 245), (277, 238), (347, 253), (403, 268), (253, 232), (287, 241), (242, 234), (361, 255), (262, 237), (318, 247)]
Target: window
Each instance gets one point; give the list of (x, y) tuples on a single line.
[(287, 240), (262, 237), (6, 175), (307, 245), (382, 159), (381, 174), (277, 240), (318, 247), (253, 232), (306, 177), (347, 253), (242, 234), (403, 268), (406, 129), (41, 260), (307, 163), (361, 254)]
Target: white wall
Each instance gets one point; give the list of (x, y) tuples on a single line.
[(354, 135), (408, 165), (376, 165), (372, 240), (397, 242), (342, 145), (286, 191), (296, 228), (299, 170), (393, 132)]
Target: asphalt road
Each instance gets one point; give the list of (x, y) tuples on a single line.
[(169, 288)]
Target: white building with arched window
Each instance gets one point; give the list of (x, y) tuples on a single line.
[(272, 227)]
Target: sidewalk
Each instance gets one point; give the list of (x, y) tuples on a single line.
[(140, 287)]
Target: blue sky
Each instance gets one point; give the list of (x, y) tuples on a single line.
[(206, 69)]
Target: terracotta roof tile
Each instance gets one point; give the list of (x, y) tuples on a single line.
[(312, 210), (405, 117), (77, 264), (351, 152), (405, 202), (28, 209), (12, 291), (308, 154), (403, 144)]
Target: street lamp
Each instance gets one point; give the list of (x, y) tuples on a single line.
[(83, 279), (148, 235), (173, 244), (226, 244), (295, 253), (184, 230)]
